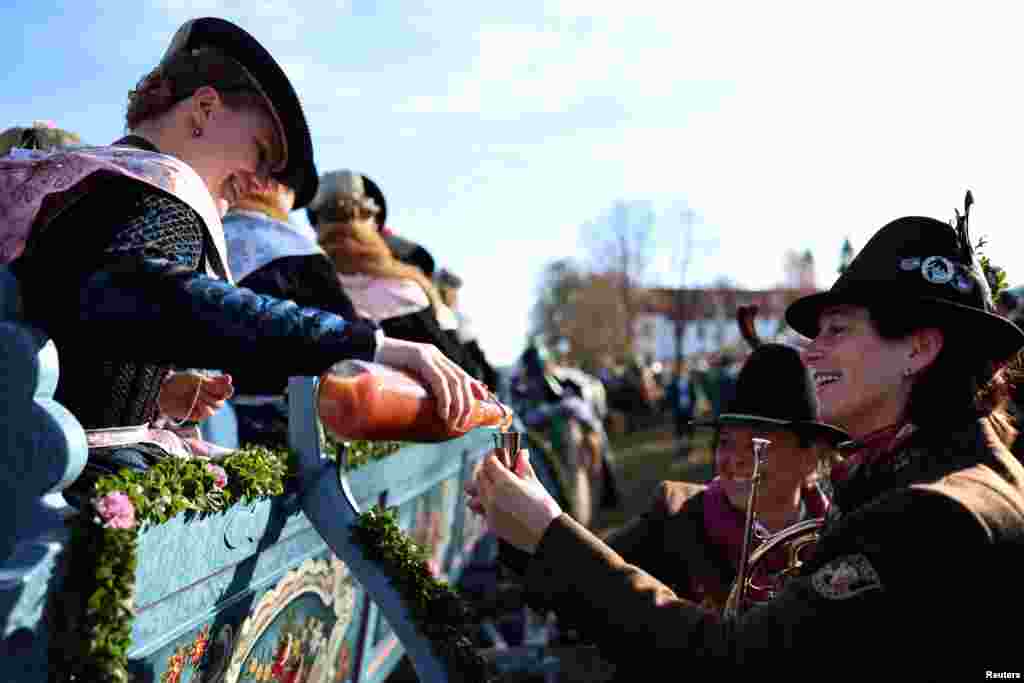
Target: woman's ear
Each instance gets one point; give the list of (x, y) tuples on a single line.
[(925, 345), (206, 102)]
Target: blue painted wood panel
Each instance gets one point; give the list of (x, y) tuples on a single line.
[(200, 581)]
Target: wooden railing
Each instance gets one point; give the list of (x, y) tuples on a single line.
[(274, 590)]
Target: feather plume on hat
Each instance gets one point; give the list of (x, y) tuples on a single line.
[(745, 319), (995, 277)]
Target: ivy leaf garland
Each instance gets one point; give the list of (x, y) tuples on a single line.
[(91, 617), (93, 613), (360, 453), (432, 604)]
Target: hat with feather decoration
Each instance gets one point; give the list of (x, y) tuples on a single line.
[(929, 269)]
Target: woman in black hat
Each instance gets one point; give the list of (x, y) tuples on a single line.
[(121, 255), (692, 535), (388, 278), (916, 568)]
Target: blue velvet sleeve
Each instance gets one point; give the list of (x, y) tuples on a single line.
[(157, 310)]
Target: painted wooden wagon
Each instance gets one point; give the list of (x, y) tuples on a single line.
[(266, 588)]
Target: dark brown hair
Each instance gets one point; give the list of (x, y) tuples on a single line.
[(962, 383), (181, 75)]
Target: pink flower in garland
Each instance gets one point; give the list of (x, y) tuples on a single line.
[(116, 511), (219, 475)]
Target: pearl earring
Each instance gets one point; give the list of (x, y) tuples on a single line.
[(907, 372), (197, 132)]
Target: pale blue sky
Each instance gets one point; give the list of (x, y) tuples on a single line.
[(497, 129)]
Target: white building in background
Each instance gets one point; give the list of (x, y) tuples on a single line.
[(656, 335), (710, 316), (710, 313)]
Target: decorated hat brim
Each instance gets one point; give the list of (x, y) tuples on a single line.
[(299, 172), (1002, 338), (833, 435)]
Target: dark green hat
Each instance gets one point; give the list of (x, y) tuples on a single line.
[(928, 268), (775, 391)]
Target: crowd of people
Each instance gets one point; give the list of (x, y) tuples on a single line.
[(166, 270)]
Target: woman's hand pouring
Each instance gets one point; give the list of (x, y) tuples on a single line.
[(456, 390)]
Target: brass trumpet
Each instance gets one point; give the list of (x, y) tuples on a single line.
[(794, 538)]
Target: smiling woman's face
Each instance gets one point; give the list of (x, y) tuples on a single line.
[(858, 375), (787, 461), (237, 143)]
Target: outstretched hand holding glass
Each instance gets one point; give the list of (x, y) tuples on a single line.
[(517, 506)]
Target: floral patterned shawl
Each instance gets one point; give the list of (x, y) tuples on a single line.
[(28, 177)]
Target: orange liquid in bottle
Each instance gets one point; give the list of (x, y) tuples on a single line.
[(374, 402)]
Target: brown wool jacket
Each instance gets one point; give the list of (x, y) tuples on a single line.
[(916, 577), (671, 544)]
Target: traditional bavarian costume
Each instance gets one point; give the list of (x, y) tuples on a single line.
[(122, 258)]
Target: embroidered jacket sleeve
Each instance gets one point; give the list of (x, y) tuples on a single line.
[(195, 320), (883, 581), (309, 281), (668, 540), (140, 292), (113, 218)]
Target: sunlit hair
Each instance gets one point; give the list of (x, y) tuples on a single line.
[(962, 383), (357, 248), (268, 197), (447, 293)]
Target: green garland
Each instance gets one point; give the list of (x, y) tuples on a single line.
[(360, 453), (437, 609), (91, 618), (93, 615)]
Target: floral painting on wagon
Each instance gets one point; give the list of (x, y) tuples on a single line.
[(298, 631)]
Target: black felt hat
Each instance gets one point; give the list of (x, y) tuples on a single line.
[(926, 267), (775, 391), (299, 171), (345, 182)]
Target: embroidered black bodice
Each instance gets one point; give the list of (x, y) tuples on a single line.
[(117, 281)]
